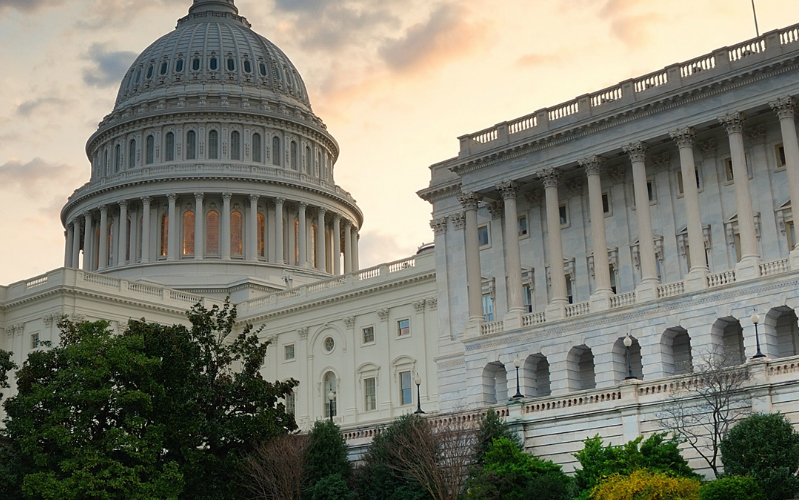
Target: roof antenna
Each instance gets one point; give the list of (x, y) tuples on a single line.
[(755, 19)]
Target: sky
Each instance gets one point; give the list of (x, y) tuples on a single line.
[(395, 81)]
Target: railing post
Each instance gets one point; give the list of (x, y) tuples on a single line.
[(464, 142)]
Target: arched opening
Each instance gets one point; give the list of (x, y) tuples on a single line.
[(236, 145), (151, 150), (293, 154), (780, 333), (191, 145), (257, 148), (276, 150), (621, 369), (676, 351), (535, 376), (169, 149), (495, 383), (213, 145), (111, 235), (188, 233), (580, 368), (329, 385), (728, 339), (236, 233), (132, 153), (117, 158), (309, 162), (212, 232)]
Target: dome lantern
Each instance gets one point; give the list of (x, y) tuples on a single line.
[(213, 5)]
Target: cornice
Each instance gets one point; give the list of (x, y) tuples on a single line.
[(440, 191)]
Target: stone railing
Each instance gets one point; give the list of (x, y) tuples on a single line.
[(531, 319), (623, 299), (492, 327), (557, 403), (669, 289), (774, 267), (578, 309), (624, 94), (37, 281), (721, 278)]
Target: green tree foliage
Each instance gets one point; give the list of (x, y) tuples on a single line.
[(733, 487), (764, 447), (155, 412), (6, 365), (509, 473), (326, 455), (644, 484), (656, 453), (491, 428), (332, 487)]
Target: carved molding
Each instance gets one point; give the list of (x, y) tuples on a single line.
[(637, 151), (783, 107), (592, 164), (433, 304), (469, 201), (350, 321), (383, 314), (303, 332), (439, 225), (683, 137), (549, 177), (508, 189), (733, 122), (458, 220)]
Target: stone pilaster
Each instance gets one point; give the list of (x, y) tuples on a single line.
[(337, 245), (145, 229), (199, 218), (122, 245), (302, 234), (348, 248), (76, 242), (225, 226), (103, 261), (279, 258), (321, 239)]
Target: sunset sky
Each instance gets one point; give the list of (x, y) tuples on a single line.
[(396, 82)]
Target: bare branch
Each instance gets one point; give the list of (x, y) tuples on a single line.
[(274, 470)]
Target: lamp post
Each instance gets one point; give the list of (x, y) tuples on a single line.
[(517, 364), (418, 381), (755, 318), (331, 397), (628, 341)]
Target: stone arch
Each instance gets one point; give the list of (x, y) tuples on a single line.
[(728, 340), (580, 368), (780, 333), (676, 351), (535, 379), (620, 359), (318, 336), (330, 382), (495, 383)]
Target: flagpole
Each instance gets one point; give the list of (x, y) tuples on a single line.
[(755, 19)]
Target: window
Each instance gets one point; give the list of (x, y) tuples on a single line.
[(106, 164), (612, 273), (196, 64), (191, 145), (680, 180), (309, 162), (213, 63), (151, 149), (288, 352), (111, 238), (188, 233), (34, 340), (483, 236), (248, 68), (368, 335), (370, 400), (293, 154), (651, 192), (179, 66), (261, 226), (488, 309), (329, 344), (728, 170), (231, 64), (117, 157), (213, 145), (212, 232), (276, 150), (262, 68), (329, 386), (164, 68), (169, 154), (164, 234), (236, 233), (606, 204), (791, 236), (522, 225), (405, 388), (150, 72), (526, 298), (403, 327), (569, 288), (291, 403), (236, 140), (780, 156), (138, 76), (563, 215), (128, 239), (257, 148)]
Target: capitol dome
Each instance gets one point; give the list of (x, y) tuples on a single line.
[(212, 171)]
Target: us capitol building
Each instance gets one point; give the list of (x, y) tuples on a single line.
[(661, 209)]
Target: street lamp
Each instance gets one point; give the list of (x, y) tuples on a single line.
[(331, 397), (628, 341), (517, 364), (418, 381), (755, 318)]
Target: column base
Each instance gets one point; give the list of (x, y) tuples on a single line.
[(747, 268), (512, 320), (647, 291), (600, 301), (696, 280), (556, 310)]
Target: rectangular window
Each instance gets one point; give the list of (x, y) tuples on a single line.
[(728, 170), (606, 204), (569, 288), (526, 298), (651, 194), (563, 215), (368, 335), (522, 225), (483, 236), (791, 236), (405, 388), (288, 352), (696, 179), (488, 313), (737, 246), (370, 402), (34, 340), (290, 403), (780, 156), (403, 327), (613, 275)]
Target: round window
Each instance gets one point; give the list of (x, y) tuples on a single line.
[(329, 344)]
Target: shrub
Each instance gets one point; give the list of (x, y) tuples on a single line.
[(491, 428), (732, 487), (647, 485), (332, 487), (326, 455)]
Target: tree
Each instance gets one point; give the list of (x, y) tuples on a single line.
[(705, 408), (492, 427), (326, 455), (274, 469), (764, 447), (6, 365), (733, 487), (332, 487), (646, 484), (656, 453)]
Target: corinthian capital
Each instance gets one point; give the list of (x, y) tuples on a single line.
[(733, 122), (549, 177), (635, 150), (683, 137), (508, 189), (592, 164), (439, 225), (783, 107), (469, 200)]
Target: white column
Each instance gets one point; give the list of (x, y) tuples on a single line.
[(103, 261), (602, 278), (747, 267), (279, 230), (348, 248), (354, 258), (337, 244), (145, 229), (321, 239), (253, 229), (87, 242), (558, 283), (172, 227), (302, 233), (696, 279), (123, 234), (76, 242), (469, 201), (513, 266), (647, 252), (68, 244), (225, 227), (199, 219), (784, 107)]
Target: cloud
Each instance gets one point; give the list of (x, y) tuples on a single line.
[(108, 66), (37, 174), (536, 59), (28, 107), (375, 247), (29, 5)]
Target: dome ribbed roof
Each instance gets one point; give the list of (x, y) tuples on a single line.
[(212, 49)]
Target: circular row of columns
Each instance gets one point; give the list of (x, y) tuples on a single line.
[(85, 224), (696, 279)]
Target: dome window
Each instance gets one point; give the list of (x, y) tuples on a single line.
[(164, 68), (212, 64), (138, 76), (257, 148), (132, 154), (150, 72), (263, 69), (191, 145), (196, 64), (213, 145), (248, 68), (179, 66), (276, 150), (231, 64)]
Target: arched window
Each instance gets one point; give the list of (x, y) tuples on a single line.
[(313, 245), (495, 383), (257, 148), (676, 354), (580, 368), (164, 68), (128, 240), (309, 162), (132, 153), (276, 150), (151, 149), (231, 64), (191, 145), (179, 66), (169, 153), (261, 233), (110, 243), (188, 233), (621, 365), (213, 145), (117, 158), (236, 233), (196, 64), (236, 141), (213, 63), (150, 72), (106, 164), (248, 68), (293, 154), (212, 233), (536, 376), (164, 235), (329, 386)]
